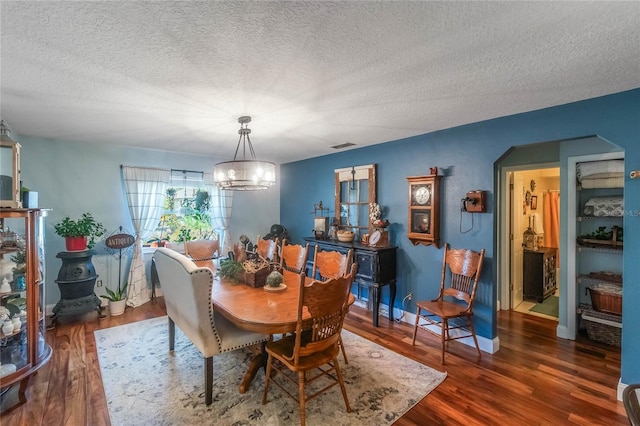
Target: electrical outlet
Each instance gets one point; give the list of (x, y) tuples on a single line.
[(99, 283)]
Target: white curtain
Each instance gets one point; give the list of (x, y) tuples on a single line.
[(145, 188), (221, 203)]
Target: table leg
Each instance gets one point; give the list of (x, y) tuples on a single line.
[(392, 298), (256, 363), (376, 304)]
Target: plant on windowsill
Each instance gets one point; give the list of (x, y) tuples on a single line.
[(80, 234)]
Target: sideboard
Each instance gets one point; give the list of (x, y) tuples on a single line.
[(376, 268)]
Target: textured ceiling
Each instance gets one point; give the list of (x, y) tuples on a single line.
[(176, 75)]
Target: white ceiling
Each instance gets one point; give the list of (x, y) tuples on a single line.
[(176, 75)]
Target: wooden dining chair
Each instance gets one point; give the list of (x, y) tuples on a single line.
[(312, 351), (267, 249), (293, 257), (330, 265), (202, 249), (461, 270)]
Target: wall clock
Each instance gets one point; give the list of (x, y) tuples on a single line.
[(424, 210)]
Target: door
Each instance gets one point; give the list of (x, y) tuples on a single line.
[(516, 248)]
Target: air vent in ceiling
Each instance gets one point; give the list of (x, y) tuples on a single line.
[(342, 145)]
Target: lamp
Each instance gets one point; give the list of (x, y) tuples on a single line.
[(244, 175)]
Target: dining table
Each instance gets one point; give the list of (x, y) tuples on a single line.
[(258, 309)]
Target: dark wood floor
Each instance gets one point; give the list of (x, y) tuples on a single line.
[(534, 379)]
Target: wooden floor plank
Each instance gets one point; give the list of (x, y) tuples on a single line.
[(534, 379)]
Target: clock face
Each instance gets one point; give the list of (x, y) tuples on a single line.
[(374, 237), (421, 195)]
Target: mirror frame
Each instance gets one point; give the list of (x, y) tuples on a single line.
[(354, 176)]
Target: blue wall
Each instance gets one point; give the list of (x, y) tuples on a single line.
[(466, 155)]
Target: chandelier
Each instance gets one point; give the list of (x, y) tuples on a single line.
[(245, 174)]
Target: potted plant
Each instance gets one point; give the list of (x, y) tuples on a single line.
[(80, 234), (117, 299)]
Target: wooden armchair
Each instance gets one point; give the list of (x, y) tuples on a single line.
[(314, 344), (202, 249), (187, 294), (267, 249), (462, 268), (293, 257)]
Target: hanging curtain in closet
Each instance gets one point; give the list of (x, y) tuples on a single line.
[(221, 203), (145, 189), (551, 203)]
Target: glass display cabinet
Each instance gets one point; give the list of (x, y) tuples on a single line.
[(23, 347)]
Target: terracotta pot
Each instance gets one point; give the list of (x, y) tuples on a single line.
[(117, 307), (76, 243)]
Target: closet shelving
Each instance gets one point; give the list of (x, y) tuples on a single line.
[(596, 263)]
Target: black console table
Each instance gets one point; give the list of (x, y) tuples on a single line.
[(376, 268)]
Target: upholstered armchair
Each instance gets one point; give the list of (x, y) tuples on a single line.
[(187, 294)]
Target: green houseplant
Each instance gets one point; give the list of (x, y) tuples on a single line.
[(117, 299), (86, 229)]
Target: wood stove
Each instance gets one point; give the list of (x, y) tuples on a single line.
[(76, 281)]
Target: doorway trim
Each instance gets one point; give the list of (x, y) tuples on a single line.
[(504, 238)]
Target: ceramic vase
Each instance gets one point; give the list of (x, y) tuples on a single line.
[(16, 324), (7, 327)]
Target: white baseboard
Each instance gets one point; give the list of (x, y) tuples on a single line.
[(563, 332), (621, 387), (490, 346)]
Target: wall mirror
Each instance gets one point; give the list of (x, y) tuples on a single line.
[(355, 189)]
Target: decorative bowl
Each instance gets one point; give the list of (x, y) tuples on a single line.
[(346, 236)]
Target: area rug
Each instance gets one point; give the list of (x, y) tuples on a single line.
[(549, 306), (144, 383)]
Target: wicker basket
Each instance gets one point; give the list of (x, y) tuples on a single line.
[(606, 298), (602, 327)]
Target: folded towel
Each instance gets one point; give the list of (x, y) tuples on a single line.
[(593, 167)]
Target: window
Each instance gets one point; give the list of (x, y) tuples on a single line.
[(187, 210)]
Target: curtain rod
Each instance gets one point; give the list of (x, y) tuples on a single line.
[(187, 171)]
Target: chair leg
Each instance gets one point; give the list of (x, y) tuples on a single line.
[(344, 353), (445, 329), (208, 380), (415, 328), (475, 339), (341, 381), (172, 334), (267, 376), (301, 397)]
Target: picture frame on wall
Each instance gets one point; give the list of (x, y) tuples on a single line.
[(534, 202)]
